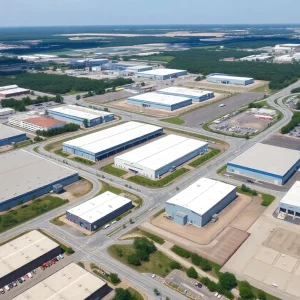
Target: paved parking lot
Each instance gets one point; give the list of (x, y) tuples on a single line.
[(283, 141)]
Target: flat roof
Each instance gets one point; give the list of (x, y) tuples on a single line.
[(159, 98), (185, 91), (6, 109), (112, 137), (13, 91), (7, 132), (230, 77), (22, 250), (99, 207), (138, 67), (267, 158), (43, 121), (7, 87), (202, 195), (164, 151), (161, 72), (21, 172), (292, 197), (70, 283), (80, 112)]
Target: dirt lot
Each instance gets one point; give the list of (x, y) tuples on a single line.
[(76, 190)]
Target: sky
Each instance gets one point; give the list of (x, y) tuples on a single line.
[(139, 12)]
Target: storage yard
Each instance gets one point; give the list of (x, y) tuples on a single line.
[(10, 135)]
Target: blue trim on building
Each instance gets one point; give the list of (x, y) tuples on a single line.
[(13, 139)]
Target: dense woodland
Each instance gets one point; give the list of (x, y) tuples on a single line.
[(60, 84)]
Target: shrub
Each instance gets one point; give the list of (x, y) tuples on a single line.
[(122, 294), (132, 259), (175, 265), (227, 281), (192, 273), (245, 290), (142, 255), (119, 252), (143, 244), (202, 262), (181, 252), (261, 295), (114, 278)]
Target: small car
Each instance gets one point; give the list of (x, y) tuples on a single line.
[(2, 291), (23, 279), (29, 275), (10, 285), (14, 283), (20, 280), (7, 288)]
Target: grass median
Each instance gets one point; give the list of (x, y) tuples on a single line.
[(202, 159), (110, 169), (174, 120)]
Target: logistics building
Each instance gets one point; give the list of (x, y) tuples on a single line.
[(13, 92), (195, 95), (5, 112), (227, 79), (25, 176), (34, 122), (162, 74), (77, 114), (200, 201), (161, 156), (266, 163), (98, 211), (10, 135), (136, 69), (70, 283), (160, 101), (24, 254), (290, 203)]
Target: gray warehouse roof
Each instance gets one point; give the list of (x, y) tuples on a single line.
[(22, 250), (21, 172), (70, 283), (268, 158), (7, 132)]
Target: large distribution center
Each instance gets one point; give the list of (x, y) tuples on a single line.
[(12, 91), (77, 114), (290, 203), (200, 201), (98, 211), (162, 74), (70, 283), (10, 135), (136, 69), (25, 176), (161, 156), (24, 254), (266, 163), (107, 142), (195, 95), (226, 79), (160, 101)]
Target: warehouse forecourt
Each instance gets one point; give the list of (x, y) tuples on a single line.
[(77, 115), (25, 176), (197, 204), (98, 211), (10, 135), (266, 163), (160, 101), (104, 143), (290, 203), (227, 79), (195, 95), (159, 157), (24, 254), (70, 283), (162, 74)]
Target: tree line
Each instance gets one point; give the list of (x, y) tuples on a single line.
[(55, 131), (292, 124)]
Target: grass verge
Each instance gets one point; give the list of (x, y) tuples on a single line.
[(61, 153), (135, 294), (174, 120), (202, 159), (83, 161), (110, 169), (222, 169), (56, 221), (267, 199), (99, 272), (149, 235)]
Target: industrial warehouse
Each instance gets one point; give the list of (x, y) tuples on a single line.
[(160, 101), (266, 163), (162, 74), (136, 69), (227, 79), (98, 211), (77, 114), (200, 202), (24, 254), (195, 95), (10, 135), (161, 156), (25, 176), (12, 91), (6, 112), (70, 283), (107, 142), (290, 203)]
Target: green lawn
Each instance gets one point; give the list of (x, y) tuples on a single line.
[(174, 120), (150, 235), (56, 221), (83, 161), (158, 263), (61, 153), (27, 212), (202, 159), (163, 58), (110, 169), (222, 169), (135, 293), (267, 199), (158, 183)]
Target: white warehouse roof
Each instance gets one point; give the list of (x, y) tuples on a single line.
[(13, 91), (7, 132), (268, 158), (80, 112), (162, 152), (228, 77), (159, 98), (185, 91), (202, 195), (112, 137), (8, 87), (292, 197), (161, 72), (99, 207), (138, 67)]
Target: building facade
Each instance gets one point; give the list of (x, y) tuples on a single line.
[(10, 135), (226, 79), (290, 203), (162, 74), (6, 112)]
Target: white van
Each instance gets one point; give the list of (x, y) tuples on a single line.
[(113, 222), (106, 226), (222, 105)]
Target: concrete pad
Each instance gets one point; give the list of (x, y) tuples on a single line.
[(278, 277), (286, 263), (266, 255), (293, 286), (297, 270), (256, 269)]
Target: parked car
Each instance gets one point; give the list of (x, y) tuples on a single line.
[(7, 288), (23, 279), (61, 256), (29, 275), (198, 284), (58, 258), (10, 285), (14, 283), (20, 280), (250, 181), (216, 294), (2, 291)]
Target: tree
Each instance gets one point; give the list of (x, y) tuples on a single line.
[(85, 123), (114, 278), (247, 137), (37, 138), (227, 281), (78, 97), (143, 244), (174, 265), (261, 295), (122, 294), (132, 259), (192, 273), (143, 83), (245, 290), (198, 78), (58, 99)]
